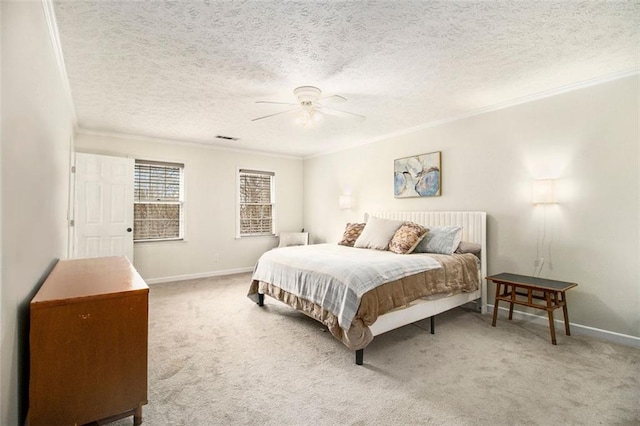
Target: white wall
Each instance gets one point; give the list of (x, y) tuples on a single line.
[(588, 139), (210, 205), (36, 137), (2, 383)]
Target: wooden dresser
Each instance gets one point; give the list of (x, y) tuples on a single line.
[(88, 343)]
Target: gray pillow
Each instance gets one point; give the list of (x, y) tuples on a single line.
[(468, 247), (440, 239), (377, 233)]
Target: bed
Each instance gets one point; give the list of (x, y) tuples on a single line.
[(388, 291)]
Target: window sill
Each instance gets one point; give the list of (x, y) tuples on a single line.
[(244, 237), (168, 240)]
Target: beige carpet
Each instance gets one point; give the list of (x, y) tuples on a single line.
[(216, 358)]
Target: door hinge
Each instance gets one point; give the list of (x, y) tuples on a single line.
[(72, 222), (73, 169)]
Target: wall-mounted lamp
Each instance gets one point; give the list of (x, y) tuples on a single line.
[(345, 202), (543, 191)]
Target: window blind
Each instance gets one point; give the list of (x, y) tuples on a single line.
[(157, 181), (256, 202), (157, 201)]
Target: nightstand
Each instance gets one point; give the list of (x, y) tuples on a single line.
[(522, 289)]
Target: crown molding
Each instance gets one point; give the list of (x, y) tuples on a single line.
[(502, 105), (50, 17), (192, 144)]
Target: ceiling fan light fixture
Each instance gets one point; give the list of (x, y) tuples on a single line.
[(309, 116), (302, 118)]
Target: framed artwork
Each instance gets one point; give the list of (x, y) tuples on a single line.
[(417, 176)]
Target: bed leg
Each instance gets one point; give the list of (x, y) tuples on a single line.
[(433, 324), (260, 299), (359, 356)]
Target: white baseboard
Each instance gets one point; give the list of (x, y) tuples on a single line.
[(199, 275), (611, 336)]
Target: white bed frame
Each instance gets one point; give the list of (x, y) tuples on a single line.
[(474, 229)]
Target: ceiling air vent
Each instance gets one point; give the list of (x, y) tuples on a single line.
[(227, 138)]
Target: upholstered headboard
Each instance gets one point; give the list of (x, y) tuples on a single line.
[(473, 223)]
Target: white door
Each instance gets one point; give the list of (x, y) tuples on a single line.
[(103, 213)]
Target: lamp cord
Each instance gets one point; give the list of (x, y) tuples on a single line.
[(537, 269)]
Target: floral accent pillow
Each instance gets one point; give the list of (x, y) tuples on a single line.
[(351, 234), (407, 238)]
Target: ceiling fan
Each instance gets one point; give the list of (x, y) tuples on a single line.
[(311, 107)]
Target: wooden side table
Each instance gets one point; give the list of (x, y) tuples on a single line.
[(553, 294)]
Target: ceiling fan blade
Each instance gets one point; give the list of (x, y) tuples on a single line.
[(330, 110), (277, 113), (334, 98), (277, 103)]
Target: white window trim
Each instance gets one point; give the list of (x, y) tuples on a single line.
[(183, 222), (274, 213)]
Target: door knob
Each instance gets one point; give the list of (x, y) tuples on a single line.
[(129, 229)]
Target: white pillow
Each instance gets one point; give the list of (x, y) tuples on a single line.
[(440, 239), (377, 233)]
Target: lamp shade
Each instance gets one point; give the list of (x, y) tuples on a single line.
[(345, 202), (543, 191)]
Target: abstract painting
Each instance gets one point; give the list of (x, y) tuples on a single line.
[(417, 176)]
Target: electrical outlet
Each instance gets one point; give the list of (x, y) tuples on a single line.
[(216, 257), (538, 262)]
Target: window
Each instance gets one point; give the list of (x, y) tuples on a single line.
[(158, 201), (256, 208)]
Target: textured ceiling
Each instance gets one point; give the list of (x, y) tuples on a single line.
[(190, 70)]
